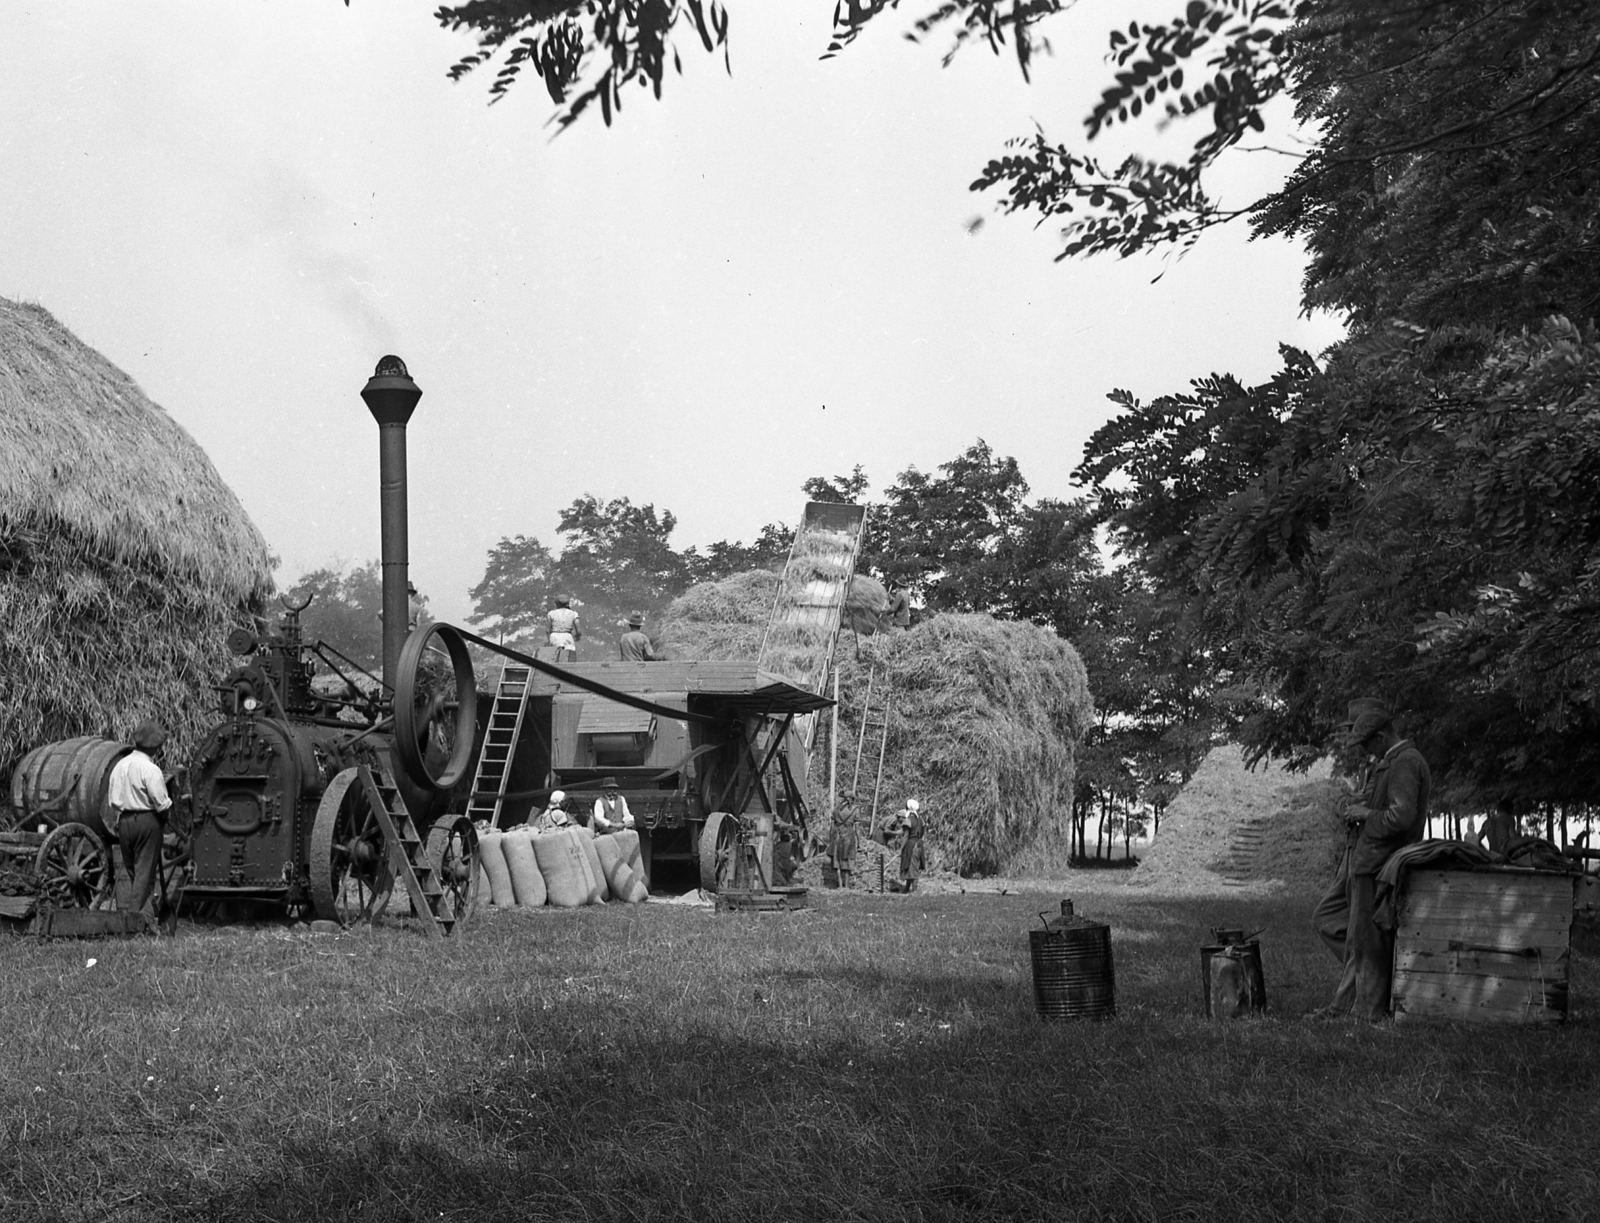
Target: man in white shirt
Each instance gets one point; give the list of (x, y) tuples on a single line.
[(136, 796), (564, 630), (611, 812)]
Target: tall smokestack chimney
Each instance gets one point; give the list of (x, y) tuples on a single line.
[(391, 397)]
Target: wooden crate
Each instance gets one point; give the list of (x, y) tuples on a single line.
[(1488, 945)]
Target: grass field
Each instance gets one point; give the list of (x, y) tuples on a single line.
[(877, 1058)]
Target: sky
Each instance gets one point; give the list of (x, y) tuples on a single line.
[(765, 276)]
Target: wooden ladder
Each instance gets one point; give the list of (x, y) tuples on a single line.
[(499, 744), (869, 722), (408, 856)]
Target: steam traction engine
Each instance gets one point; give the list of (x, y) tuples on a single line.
[(296, 799)]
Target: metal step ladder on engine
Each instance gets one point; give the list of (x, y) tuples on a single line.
[(499, 744), (872, 720), (408, 856)]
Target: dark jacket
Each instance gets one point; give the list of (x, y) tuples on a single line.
[(1401, 787)]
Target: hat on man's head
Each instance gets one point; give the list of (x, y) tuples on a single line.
[(149, 736), (557, 797), (635, 619), (913, 805), (1367, 715), (610, 783)]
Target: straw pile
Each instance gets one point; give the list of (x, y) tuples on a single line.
[(985, 720), (1298, 815), (124, 559)]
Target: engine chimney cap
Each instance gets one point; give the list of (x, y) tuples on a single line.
[(390, 394)]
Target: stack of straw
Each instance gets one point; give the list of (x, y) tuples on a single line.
[(124, 558), (985, 720)]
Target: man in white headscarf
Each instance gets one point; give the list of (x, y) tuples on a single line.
[(554, 816)]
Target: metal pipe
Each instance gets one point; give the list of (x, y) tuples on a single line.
[(391, 397), (396, 544)]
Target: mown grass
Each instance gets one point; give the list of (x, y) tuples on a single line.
[(877, 1059)]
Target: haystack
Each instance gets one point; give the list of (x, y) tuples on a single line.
[(124, 558), (985, 718), (1234, 829)]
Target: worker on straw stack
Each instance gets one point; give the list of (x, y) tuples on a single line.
[(1392, 813), (912, 855), (898, 613), (611, 812), (554, 815), (564, 630), (137, 801), (635, 646)]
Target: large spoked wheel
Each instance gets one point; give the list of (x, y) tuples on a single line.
[(718, 840), (435, 707), (73, 868), (351, 878), (453, 854)]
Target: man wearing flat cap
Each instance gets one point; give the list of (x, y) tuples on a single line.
[(1391, 814), (137, 803)]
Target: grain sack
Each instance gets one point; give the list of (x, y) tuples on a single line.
[(483, 896), (493, 858), (628, 842), (565, 868), (598, 889), (527, 879), (625, 884)]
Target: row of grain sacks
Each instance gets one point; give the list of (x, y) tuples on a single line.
[(566, 868)]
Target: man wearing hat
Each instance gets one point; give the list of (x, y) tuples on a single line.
[(563, 622), (1391, 814), (635, 646), (137, 805), (611, 812)]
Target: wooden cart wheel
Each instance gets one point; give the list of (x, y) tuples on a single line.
[(453, 854), (435, 707), (351, 878), (718, 840), (73, 867)]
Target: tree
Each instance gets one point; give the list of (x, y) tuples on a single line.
[(346, 610), (616, 559)]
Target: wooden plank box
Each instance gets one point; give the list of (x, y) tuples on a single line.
[(1489, 945)]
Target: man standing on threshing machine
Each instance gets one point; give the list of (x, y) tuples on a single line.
[(611, 812), (136, 795), (912, 855), (564, 630), (554, 816), (635, 646), (1392, 813)]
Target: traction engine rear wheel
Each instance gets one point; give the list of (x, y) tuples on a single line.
[(351, 879)]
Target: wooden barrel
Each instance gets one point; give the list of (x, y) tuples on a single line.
[(1073, 976), (78, 770)]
